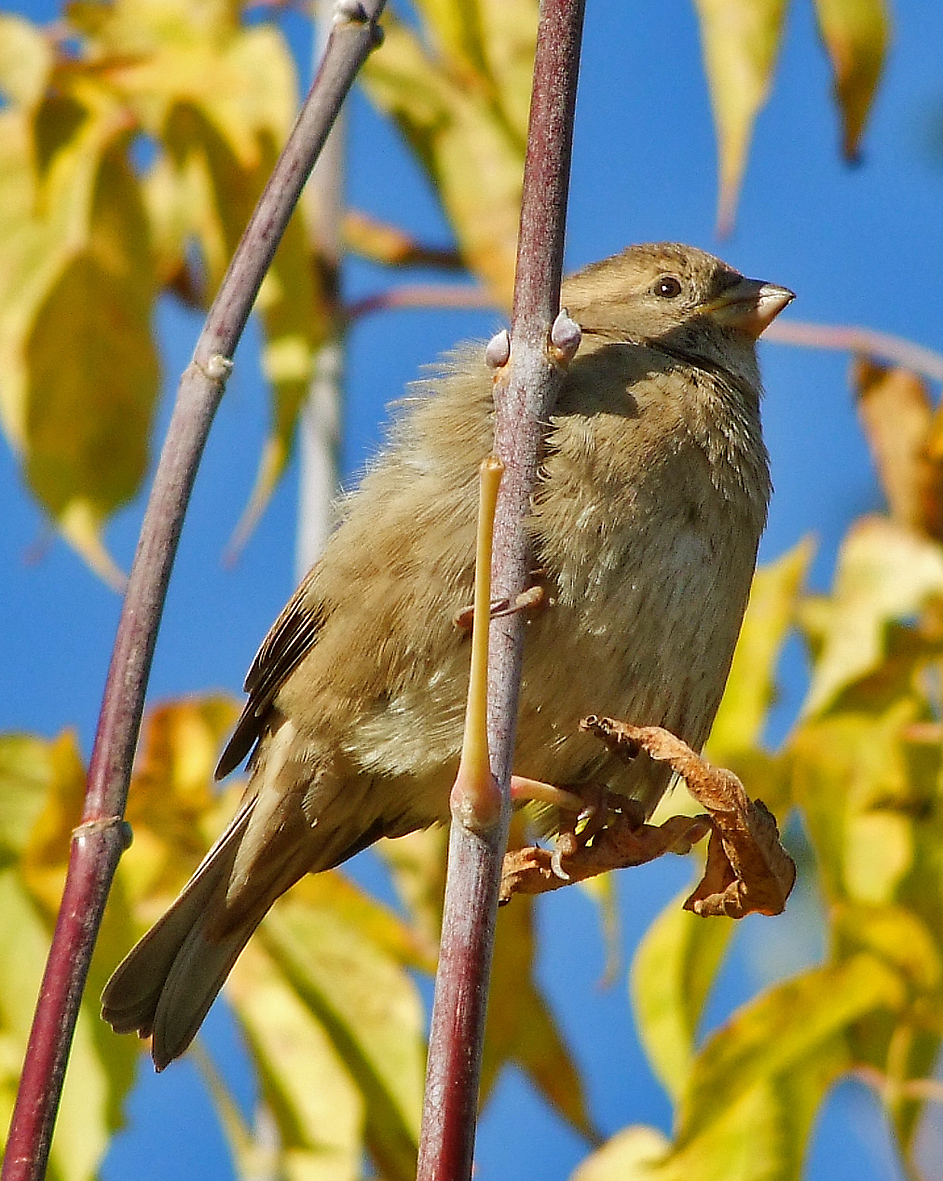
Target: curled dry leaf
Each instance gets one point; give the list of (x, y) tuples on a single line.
[(535, 870), (748, 871)]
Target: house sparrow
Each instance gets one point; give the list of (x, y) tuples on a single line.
[(653, 491)]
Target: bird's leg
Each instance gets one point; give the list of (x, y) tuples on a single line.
[(535, 598), (528, 791)]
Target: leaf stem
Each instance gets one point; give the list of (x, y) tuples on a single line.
[(98, 842)]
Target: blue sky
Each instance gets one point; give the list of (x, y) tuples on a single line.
[(858, 245)]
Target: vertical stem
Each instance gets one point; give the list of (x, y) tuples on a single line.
[(523, 395), (320, 421), (97, 843)]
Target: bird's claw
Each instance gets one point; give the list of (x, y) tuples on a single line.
[(748, 871), (532, 599)]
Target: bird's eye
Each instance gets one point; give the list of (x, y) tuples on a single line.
[(668, 287)]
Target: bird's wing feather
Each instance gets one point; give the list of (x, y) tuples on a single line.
[(289, 640)]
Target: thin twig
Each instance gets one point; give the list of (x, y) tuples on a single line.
[(523, 394), (420, 295), (388, 245), (102, 835), (858, 340)]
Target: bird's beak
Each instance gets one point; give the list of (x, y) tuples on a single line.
[(750, 306)]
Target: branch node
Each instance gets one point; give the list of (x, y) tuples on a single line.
[(565, 337), (349, 11), (498, 350), (217, 368), (102, 824)]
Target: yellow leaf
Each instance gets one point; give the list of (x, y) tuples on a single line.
[(856, 34), (751, 684), (93, 380), (368, 1005), (884, 573), (521, 1027), (317, 1106), (880, 852), (762, 1133), (24, 778), (417, 865), (78, 370), (674, 968), (219, 155), (602, 890), (628, 1156), (25, 60), (45, 856), (780, 1031), (852, 782), (740, 40), (895, 935), (40, 803), (469, 139), (492, 42), (896, 412), (173, 807)]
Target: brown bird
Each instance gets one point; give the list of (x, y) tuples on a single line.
[(653, 492)]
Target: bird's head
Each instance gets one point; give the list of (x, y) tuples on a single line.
[(675, 297)]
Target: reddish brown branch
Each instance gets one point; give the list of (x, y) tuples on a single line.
[(98, 842), (524, 391)]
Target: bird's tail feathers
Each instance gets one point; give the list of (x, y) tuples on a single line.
[(165, 985)]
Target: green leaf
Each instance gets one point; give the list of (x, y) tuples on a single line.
[(740, 40), (751, 684), (856, 34), (674, 967)]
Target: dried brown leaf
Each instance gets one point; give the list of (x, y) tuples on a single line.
[(748, 871), (897, 416)]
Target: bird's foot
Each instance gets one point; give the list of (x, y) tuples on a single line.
[(748, 871), (584, 810), (747, 868), (535, 598)]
